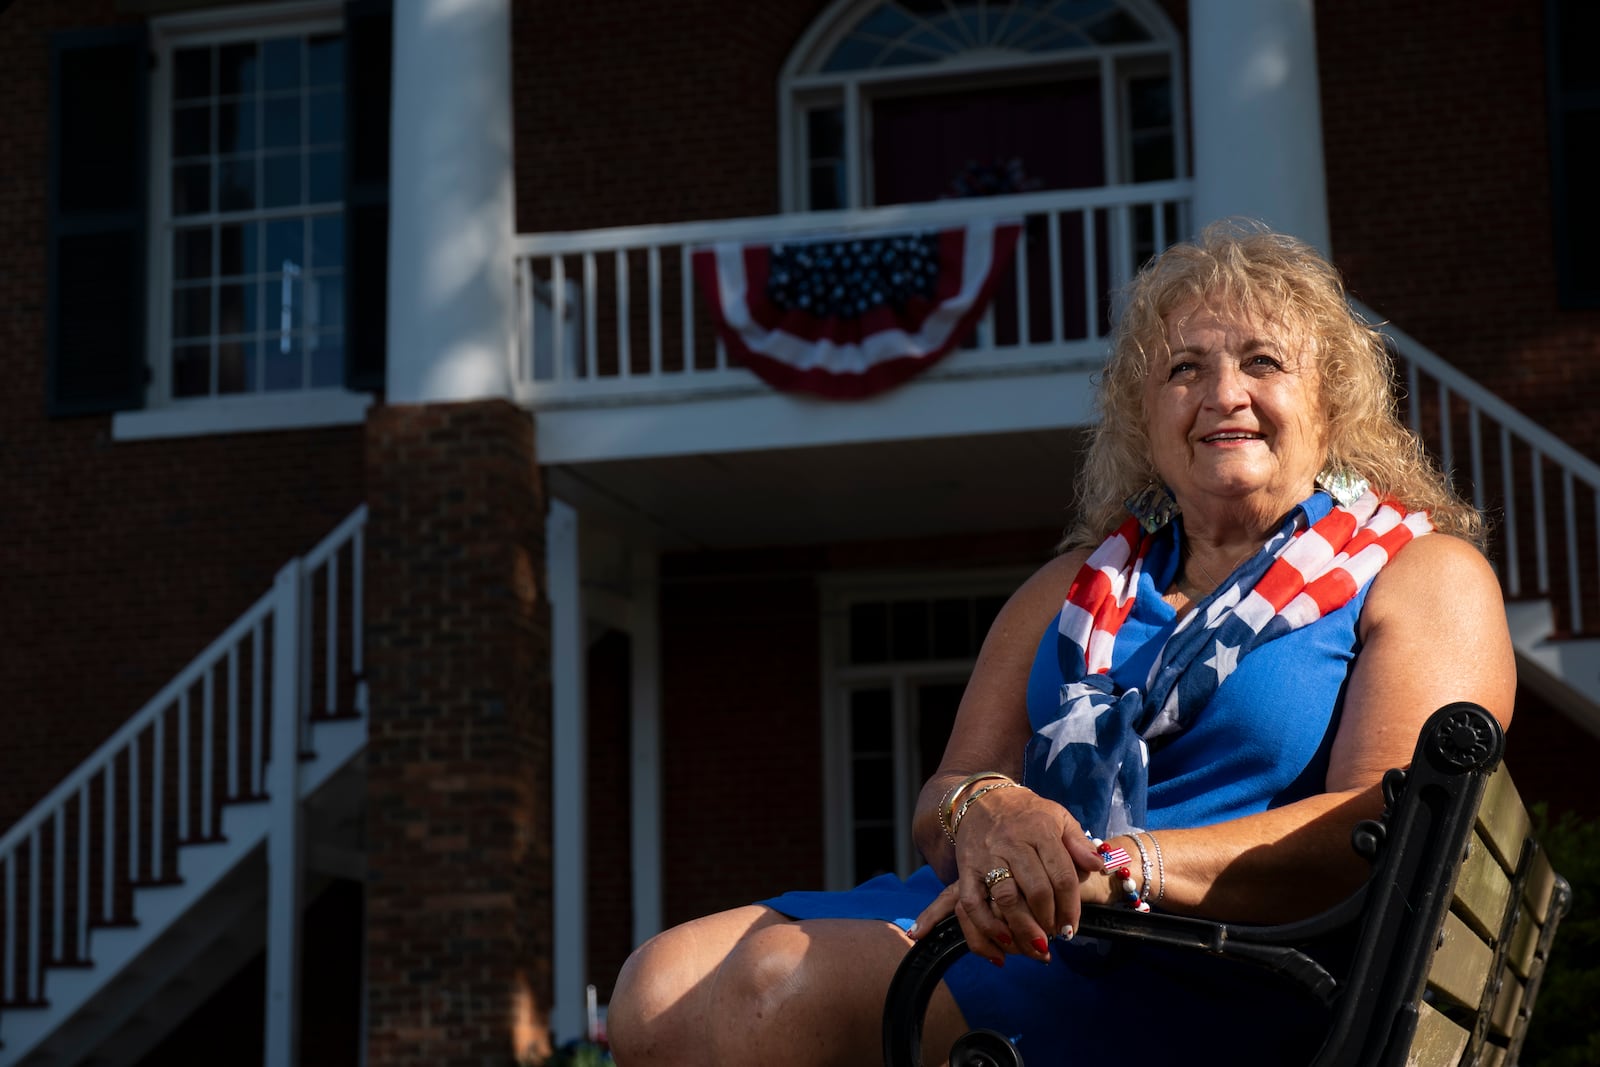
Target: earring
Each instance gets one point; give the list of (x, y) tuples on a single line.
[(1343, 484), (1153, 506)]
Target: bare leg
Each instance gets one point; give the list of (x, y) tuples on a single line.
[(748, 986)]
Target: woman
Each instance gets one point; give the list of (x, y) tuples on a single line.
[(1233, 670)]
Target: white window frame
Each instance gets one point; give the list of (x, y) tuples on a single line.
[(164, 415), (802, 86), (840, 678)]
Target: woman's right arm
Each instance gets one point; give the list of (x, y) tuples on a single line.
[(1035, 838)]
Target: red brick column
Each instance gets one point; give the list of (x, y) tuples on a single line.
[(458, 762)]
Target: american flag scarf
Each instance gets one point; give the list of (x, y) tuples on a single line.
[(1093, 756)]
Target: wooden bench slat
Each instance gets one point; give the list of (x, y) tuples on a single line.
[(1524, 943), (1492, 1056), (1461, 965), (1502, 819), (1483, 890), (1438, 1041), (1503, 1019), (1540, 886)]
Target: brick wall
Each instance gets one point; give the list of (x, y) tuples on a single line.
[(1435, 131), (458, 758), (118, 561)]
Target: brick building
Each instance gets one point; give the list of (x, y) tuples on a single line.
[(608, 632)]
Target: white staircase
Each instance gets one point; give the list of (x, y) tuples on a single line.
[(142, 881), (1543, 498)]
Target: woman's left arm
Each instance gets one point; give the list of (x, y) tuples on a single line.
[(1433, 631)]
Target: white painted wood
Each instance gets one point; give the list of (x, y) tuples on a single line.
[(1257, 115), (761, 419), (644, 642), (452, 287), (569, 777), (284, 847)]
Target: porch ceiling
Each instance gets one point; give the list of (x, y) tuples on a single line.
[(852, 492)]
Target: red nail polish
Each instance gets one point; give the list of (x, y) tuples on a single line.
[(1040, 945), (1002, 939), (1001, 962)]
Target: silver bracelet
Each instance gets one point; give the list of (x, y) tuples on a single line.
[(1144, 865), (1161, 868)]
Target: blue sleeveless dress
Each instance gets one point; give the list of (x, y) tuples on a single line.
[(1262, 742)]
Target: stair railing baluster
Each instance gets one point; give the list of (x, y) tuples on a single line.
[(10, 930), (357, 572), (208, 709), (1570, 515), (233, 724), (258, 707), (133, 810), (82, 947), (330, 658), (108, 840), (158, 762), (1541, 555), (32, 989), (1513, 566), (183, 767), (58, 923), (1475, 450)]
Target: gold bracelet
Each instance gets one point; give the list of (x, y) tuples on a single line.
[(947, 803), (955, 823)]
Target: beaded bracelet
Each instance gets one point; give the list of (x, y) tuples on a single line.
[(1114, 861), (955, 824), (947, 803)]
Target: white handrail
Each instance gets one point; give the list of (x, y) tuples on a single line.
[(108, 813), (1519, 498)]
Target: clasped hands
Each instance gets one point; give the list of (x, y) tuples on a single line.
[(1023, 871)]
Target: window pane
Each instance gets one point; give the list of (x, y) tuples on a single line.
[(1578, 28), (325, 61), (871, 729), (236, 126), (241, 245), (191, 130), (236, 367), (874, 852), (237, 311), (908, 623), (327, 359), (280, 179), (281, 63), (952, 629), (191, 73), (869, 633), (238, 69), (872, 788), (327, 117), (191, 189), (283, 369), (191, 252), (283, 304), (236, 184), (285, 244), (326, 294), (191, 370), (326, 177), (826, 191), (191, 312), (825, 133), (327, 241), (281, 122)]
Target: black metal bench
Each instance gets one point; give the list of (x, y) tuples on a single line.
[(1450, 932)]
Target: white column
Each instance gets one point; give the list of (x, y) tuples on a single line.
[(285, 850), (1257, 115), (451, 280), (568, 778), (644, 639)]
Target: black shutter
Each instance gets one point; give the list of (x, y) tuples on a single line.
[(99, 105), (369, 32)]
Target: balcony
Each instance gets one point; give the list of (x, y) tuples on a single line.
[(618, 357)]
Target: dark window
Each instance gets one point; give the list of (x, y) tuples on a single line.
[(1574, 85)]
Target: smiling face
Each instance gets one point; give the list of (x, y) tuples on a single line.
[(1234, 417)]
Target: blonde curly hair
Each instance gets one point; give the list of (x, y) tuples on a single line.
[(1242, 266)]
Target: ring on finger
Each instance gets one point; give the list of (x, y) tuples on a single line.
[(994, 878)]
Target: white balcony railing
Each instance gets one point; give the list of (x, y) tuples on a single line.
[(160, 781), (614, 312)]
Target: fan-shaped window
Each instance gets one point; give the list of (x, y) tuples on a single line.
[(920, 99)]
